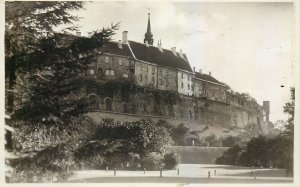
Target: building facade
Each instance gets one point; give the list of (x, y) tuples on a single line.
[(164, 86)]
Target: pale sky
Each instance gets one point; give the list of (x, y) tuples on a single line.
[(248, 46)]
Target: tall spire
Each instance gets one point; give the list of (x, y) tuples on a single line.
[(148, 35)]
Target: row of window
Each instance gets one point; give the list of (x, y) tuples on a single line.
[(146, 78), (121, 61), (189, 77), (189, 87), (108, 72), (145, 68)]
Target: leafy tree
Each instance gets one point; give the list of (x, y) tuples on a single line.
[(289, 109)]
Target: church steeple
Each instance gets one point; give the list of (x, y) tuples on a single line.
[(148, 35)]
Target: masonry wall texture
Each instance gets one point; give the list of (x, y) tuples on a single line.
[(127, 98)]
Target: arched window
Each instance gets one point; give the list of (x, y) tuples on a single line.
[(93, 102), (108, 104)]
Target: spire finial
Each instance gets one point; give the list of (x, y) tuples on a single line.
[(148, 34)]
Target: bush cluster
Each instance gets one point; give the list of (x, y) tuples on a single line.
[(128, 145), (261, 151)]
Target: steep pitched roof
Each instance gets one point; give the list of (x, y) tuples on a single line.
[(163, 58), (113, 48), (207, 78)]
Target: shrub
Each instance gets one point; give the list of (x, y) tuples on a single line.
[(140, 137), (152, 161), (212, 141), (171, 160), (230, 156), (178, 134), (229, 141), (134, 161)]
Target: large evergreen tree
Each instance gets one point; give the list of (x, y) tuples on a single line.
[(45, 76), (26, 22)]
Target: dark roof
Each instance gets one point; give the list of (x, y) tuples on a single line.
[(113, 48), (206, 77), (154, 55)]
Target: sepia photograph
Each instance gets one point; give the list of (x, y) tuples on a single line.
[(170, 92)]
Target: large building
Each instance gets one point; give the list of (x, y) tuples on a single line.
[(203, 98)]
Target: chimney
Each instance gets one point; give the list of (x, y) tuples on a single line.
[(120, 44), (159, 46), (89, 34), (125, 37), (174, 50), (194, 69), (78, 33), (200, 71), (210, 73)]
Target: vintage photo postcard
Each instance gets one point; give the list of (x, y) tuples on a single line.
[(168, 92)]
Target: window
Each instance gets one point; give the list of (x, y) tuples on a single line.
[(159, 72), (92, 72), (192, 87), (182, 85), (126, 63), (153, 70), (141, 77), (152, 79), (189, 78), (160, 81), (167, 82), (224, 96), (106, 59), (120, 62), (188, 86), (107, 72), (112, 72), (146, 68), (125, 75), (146, 78), (181, 75)]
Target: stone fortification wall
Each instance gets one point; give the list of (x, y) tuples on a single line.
[(130, 99)]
